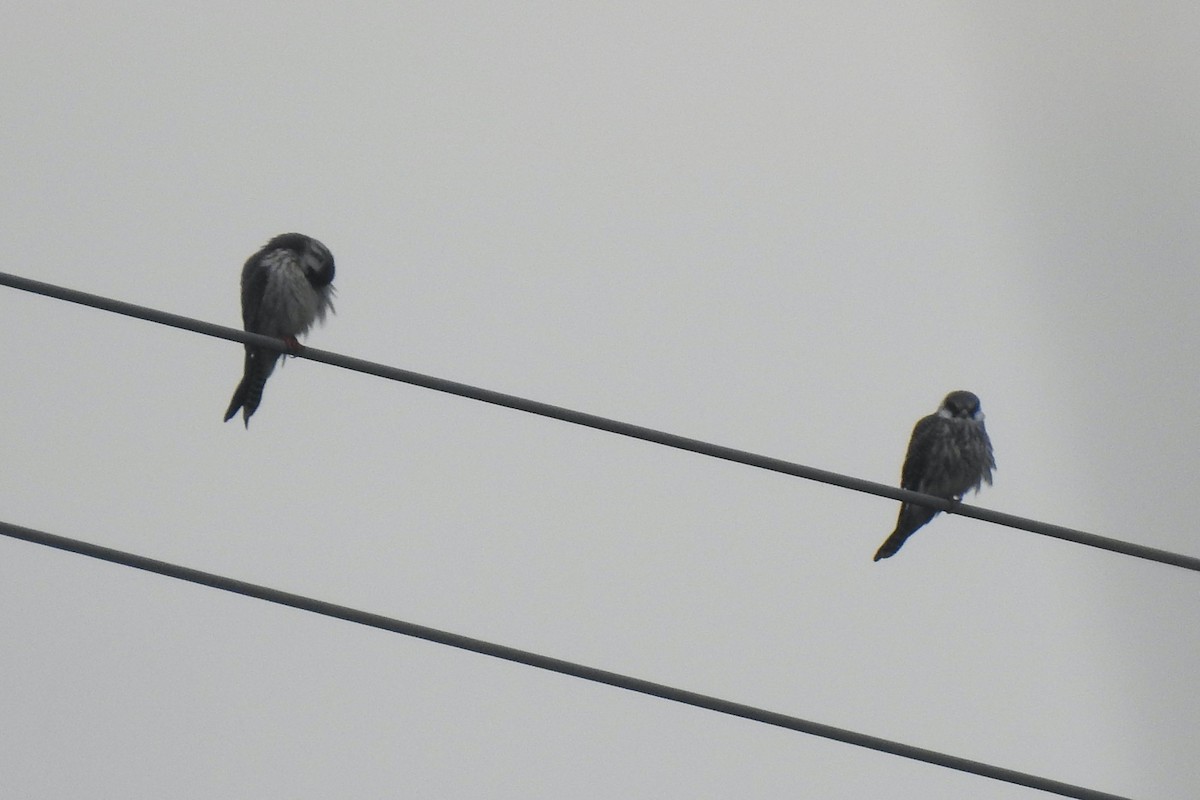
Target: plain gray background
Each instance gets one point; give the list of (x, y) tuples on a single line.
[(789, 228)]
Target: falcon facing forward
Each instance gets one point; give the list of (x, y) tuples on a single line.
[(949, 455), (286, 287)]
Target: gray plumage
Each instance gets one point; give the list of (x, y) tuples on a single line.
[(286, 287), (949, 455)]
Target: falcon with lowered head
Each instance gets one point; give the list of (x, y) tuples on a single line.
[(286, 287)]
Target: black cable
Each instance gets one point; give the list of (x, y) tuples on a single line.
[(553, 664), (610, 425)]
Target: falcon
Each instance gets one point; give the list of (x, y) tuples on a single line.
[(286, 287), (949, 455)]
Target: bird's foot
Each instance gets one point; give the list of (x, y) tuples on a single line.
[(293, 345)]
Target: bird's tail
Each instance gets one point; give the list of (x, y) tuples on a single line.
[(912, 517), (248, 394)]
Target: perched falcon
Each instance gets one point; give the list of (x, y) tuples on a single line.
[(949, 455), (286, 287)]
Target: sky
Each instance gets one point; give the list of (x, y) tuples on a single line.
[(789, 228)]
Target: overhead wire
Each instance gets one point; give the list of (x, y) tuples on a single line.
[(551, 664), (606, 424)]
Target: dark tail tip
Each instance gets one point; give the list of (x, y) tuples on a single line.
[(892, 544), (235, 403), (247, 405), (249, 391), (885, 552)]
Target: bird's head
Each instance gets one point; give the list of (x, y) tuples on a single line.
[(315, 258), (961, 405)]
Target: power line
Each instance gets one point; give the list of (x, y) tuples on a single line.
[(606, 424), (551, 664)]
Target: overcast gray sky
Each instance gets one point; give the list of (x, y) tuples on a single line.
[(789, 228)]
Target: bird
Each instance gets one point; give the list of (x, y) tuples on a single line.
[(286, 287), (949, 455)]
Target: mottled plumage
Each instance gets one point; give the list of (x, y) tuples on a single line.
[(286, 287), (949, 455)]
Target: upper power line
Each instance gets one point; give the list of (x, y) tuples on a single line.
[(573, 669), (605, 424)]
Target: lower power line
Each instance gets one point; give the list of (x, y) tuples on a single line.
[(552, 664)]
